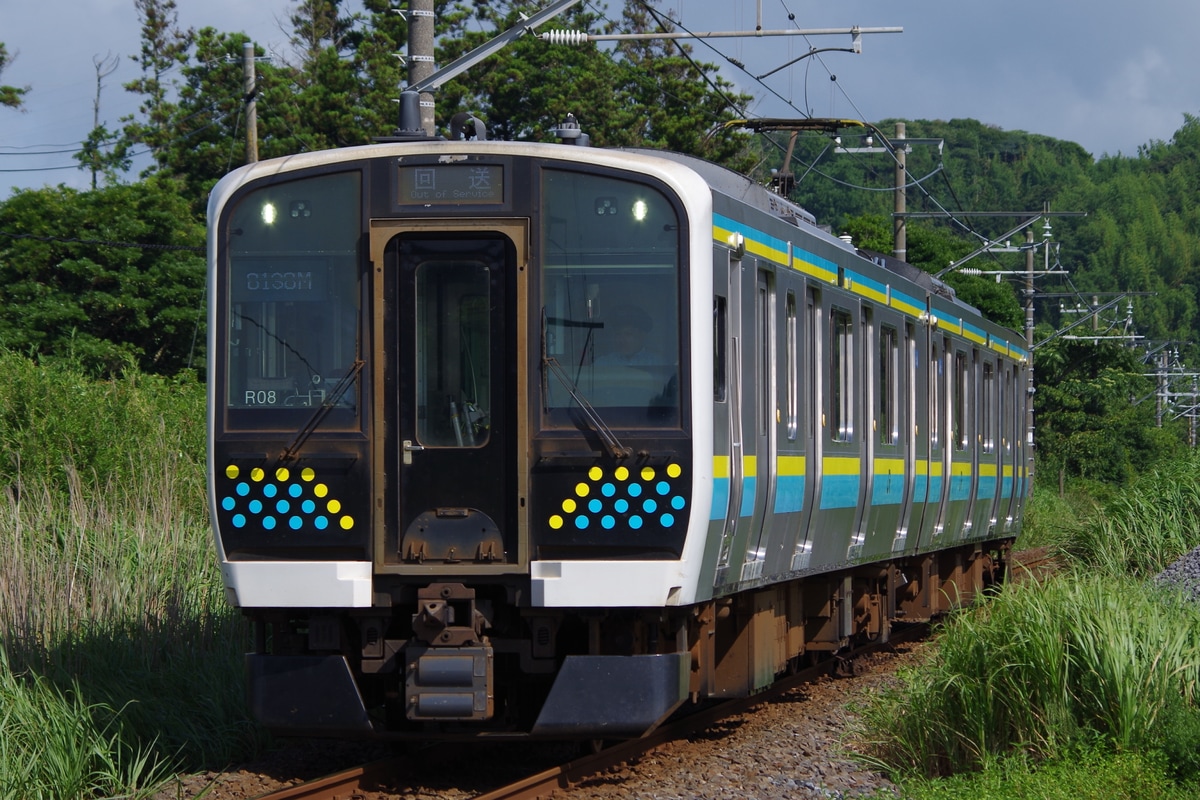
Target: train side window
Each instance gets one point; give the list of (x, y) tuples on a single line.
[(841, 375), (987, 411), (962, 376), (888, 355), (793, 366), (936, 401), (719, 351)]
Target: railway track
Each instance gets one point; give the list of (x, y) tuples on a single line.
[(378, 779)]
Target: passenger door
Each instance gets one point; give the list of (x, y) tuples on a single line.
[(447, 302)]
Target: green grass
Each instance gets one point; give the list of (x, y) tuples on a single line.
[(1147, 527), (1082, 685), (113, 624), (1041, 670), (1089, 775)]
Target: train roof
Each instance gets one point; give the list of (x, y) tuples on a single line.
[(745, 190), (737, 186)]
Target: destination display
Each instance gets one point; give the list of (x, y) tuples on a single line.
[(451, 184)]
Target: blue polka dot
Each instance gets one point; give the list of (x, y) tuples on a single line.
[(621, 505), (677, 502), (295, 490), (608, 522), (243, 489), (635, 522), (635, 489), (308, 506), (295, 523), (269, 523), (270, 490), (283, 506), (608, 490), (239, 521), (228, 503), (581, 522), (663, 487), (667, 520), (321, 522), (256, 506), (649, 506), (594, 505)]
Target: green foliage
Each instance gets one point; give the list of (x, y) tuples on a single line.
[(1088, 424), (107, 278), (55, 745), (10, 96), (109, 592), (641, 94), (1088, 775), (1042, 669), (1146, 527)]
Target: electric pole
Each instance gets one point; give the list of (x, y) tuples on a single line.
[(900, 250), (420, 54), (251, 99)]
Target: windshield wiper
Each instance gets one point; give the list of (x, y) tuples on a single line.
[(335, 394), (615, 448)]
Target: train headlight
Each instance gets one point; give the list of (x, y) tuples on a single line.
[(640, 209), (269, 213)]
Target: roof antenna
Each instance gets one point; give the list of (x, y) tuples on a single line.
[(409, 129), (569, 132)]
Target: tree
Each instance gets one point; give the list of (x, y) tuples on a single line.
[(1088, 422), (10, 96), (631, 96), (165, 47), (109, 277), (933, 249)]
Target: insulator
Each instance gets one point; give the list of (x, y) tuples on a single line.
[(565, 37)]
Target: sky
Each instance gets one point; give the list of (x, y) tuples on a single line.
[(1111, 75)]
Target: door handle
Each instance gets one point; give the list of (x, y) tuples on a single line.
[(409, 449)]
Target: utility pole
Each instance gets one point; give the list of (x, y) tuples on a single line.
[(900, 250), (251, 99), (1029, 387), (420, 54)]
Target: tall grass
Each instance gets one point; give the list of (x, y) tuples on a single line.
[(1042, 669), (109, 592), (1147, 527)]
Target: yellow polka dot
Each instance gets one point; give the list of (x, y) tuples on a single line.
[(347, 523), (647, 473), (569, 505), (556, 522), (308, 473), (320, 490), (257, 474), (622, 473), (232, 471), (674, 470), (582, 489), (282, 474), (334, 506), (595, 473)]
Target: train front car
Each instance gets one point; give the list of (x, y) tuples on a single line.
[(453, 409)]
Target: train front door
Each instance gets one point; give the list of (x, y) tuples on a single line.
[(450, 398)]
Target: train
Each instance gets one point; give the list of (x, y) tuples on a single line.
[(546, 440)]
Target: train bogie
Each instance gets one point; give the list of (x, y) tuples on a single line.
[(546, 440)]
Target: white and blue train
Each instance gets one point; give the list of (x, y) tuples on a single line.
[(544, 439)]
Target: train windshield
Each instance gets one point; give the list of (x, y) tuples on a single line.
[(610, 299), (293, 294)]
